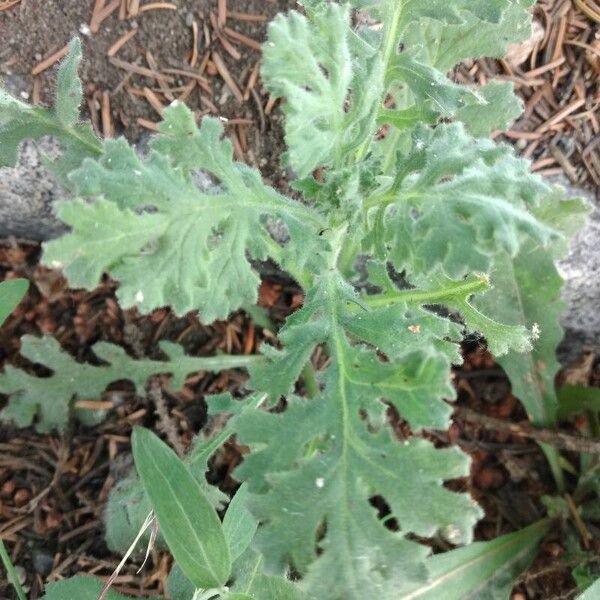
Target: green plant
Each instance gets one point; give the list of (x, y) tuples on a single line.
[(11, 293), (392, 162)]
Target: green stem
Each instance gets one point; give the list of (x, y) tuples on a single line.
[(458, 290), (390, 43), (553, 457), (11, 571)]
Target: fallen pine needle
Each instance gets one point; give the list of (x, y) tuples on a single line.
[(94, 405), (151, 125), (194, 56), (242, 39), (133, 68), (9, 4), (153, 100), (107, 126), (103, 14), (251, 81), (121, 42), (157, 6), (238, 16), (51, 60), (224, 73), (222, 13)]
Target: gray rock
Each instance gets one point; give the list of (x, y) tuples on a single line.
[(27, 193), (581, 272)]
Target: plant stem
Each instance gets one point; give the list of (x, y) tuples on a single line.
[(452, 291), (390, 43), (11, 571), (556, 439)]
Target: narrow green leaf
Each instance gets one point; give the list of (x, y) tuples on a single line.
[(80, 587), (239, 524), (482, 570), (574, 399), (19, 121), (68, 91), (11, 293), (188, 522), (179, 586)]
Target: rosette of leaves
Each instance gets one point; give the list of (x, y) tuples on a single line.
[(382, 141)]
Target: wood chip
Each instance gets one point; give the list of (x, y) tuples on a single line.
[(242, 39), (227, 78), (121, 42), (51, 60)]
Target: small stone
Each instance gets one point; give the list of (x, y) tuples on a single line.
[(42, 561)]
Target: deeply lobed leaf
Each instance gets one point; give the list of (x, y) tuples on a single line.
[(164, 239), (45, 401)]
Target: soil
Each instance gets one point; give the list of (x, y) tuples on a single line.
[(53, 488), (35, 29)]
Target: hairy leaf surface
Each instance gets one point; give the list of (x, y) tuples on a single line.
[(20, 121), (297, 491), (164, 239), (330, 83), (45, 401), (455, 202)]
